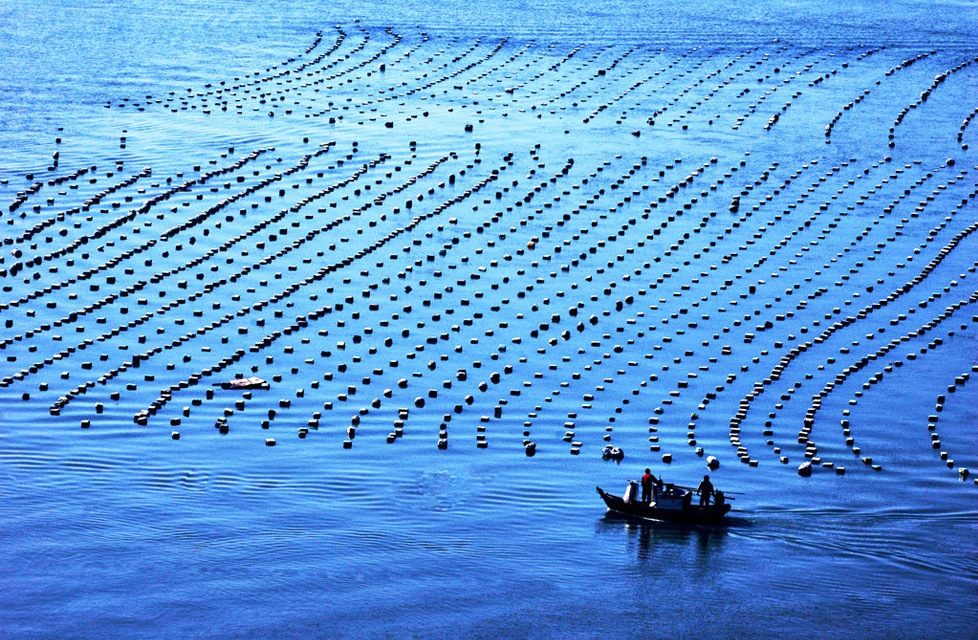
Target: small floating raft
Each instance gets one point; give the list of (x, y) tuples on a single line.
[(244, 383)]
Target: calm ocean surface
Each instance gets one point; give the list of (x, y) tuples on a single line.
[(686, 230)]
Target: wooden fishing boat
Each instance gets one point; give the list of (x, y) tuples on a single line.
[(672, 503)]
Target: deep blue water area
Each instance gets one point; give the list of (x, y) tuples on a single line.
[(469, 246)]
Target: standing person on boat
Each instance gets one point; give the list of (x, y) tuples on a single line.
[(647, 486), (705, 490)]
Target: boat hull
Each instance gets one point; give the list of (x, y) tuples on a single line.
[(692, 513)]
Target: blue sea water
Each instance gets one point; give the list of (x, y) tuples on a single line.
[(551, 201)]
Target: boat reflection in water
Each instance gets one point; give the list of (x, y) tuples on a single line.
[(677, 543)]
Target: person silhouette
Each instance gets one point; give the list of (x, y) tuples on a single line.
[(705, 490)]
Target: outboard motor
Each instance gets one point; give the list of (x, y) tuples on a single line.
[(631, 493)]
